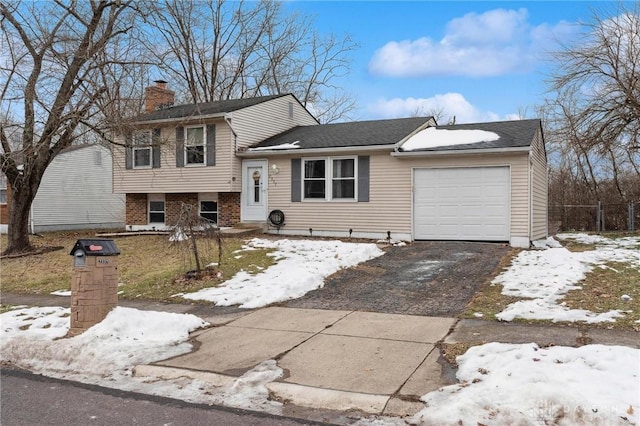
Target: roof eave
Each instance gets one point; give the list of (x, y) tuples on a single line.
[(306, 151), (183, 119), (409, 154)]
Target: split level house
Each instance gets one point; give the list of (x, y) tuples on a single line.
[(75, 193), (251, 160)]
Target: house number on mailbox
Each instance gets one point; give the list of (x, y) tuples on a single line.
[(103, 261)]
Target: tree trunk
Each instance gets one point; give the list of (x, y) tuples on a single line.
[(19, 207)]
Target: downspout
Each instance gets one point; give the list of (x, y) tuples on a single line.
[(530, 219), (33, 227), (227, 119)]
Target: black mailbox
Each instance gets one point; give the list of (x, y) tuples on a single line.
[(92, 247)]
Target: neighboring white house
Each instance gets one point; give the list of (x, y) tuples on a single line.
[(76, 192)]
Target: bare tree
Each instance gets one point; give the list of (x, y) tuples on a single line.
[(62, 66), (194, 235), (219, 50), (593, 117), (592, 122)]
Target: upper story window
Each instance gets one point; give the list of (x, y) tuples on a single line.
[(195, 145), (142, 152), (330, 179)]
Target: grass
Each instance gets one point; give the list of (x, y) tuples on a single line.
[(149, 266), (451, 351), (602, 291)]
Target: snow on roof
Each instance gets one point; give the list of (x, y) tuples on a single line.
[(274, 147), (433, 137)]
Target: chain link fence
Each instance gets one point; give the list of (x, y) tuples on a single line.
[(595, 217)]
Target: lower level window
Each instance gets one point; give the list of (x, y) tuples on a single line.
[(209, 210), (156, 211)]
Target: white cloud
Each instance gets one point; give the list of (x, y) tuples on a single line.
[(478, 45), (450, 104)]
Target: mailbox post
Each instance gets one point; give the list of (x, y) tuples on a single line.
[(94, 282)]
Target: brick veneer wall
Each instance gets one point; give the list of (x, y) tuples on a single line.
[(136, 209), (173, 205), (157, 97), (228, 208)]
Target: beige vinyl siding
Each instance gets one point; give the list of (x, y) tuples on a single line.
[(251, 125), (171, 179), (539, 189), (75, 193), (390, 205), (259, 122)]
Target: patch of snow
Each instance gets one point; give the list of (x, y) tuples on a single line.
[(626, 297), (106, 354), (61, 293), (292, 145), (547, 243), (545, 276), (41, 324), (177, 236), (395, 243), (433, 137), (525, 384), (478, 314), (249, 390), (302, 266), (109, 349), (631, 241)]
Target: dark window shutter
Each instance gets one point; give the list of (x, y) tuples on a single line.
[(155, 150), (179, 146), (363, 178), (211, 145), (128, 151), (296, 184)]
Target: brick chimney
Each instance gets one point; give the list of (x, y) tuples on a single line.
[(158, 96)]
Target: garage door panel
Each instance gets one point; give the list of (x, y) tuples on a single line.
[(462, 203)]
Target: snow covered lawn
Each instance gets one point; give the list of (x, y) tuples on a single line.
[(106, 354), (545, 276), (302, 266), (506, 384)]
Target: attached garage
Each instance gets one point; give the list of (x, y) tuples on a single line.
[(461, 203), (420, 181)]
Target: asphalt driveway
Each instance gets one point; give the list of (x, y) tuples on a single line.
[(434, 278)]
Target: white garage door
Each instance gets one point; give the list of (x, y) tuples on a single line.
[(461, 204)]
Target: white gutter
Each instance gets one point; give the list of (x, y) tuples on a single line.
[(410, 154), (302, 151)]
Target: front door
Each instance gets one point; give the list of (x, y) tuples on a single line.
[(254, 190)]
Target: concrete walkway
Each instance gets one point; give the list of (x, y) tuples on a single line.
[(337, 360)]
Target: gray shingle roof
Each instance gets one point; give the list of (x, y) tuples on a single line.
[(192, 110), (353, 134), (513, 134)]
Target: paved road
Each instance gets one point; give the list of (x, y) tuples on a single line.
[(434, 278), (27, 399)]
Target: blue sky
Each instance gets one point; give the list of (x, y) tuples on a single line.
[(479, 61)]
